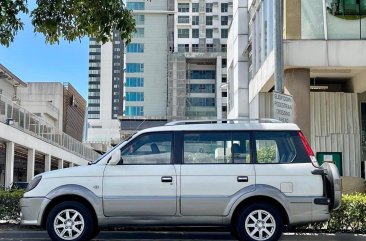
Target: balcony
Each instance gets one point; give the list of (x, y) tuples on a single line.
[(23, 120)]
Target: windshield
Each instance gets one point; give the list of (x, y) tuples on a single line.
[(107, 153)]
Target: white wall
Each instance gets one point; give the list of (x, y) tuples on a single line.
[(238, 62), (46, 99)]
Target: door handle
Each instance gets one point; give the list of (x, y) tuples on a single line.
[(166, 179), (242, 179)]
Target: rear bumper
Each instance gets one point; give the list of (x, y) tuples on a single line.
[(304, 210), (32, 209)]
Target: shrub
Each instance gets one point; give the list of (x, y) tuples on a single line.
[(350, 217), (9, 205)]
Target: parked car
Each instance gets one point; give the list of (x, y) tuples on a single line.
[(253, 176)]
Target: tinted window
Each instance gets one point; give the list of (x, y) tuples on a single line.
[(216, 148), (274, 147), (153, 148)]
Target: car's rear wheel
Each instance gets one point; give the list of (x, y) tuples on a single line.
[(70, 221), (259, 222)]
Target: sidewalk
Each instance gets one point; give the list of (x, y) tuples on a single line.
[(324, 236)]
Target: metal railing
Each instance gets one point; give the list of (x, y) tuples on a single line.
[(18, 117)]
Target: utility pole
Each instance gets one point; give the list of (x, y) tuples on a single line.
[(282, 103), (278, 46)]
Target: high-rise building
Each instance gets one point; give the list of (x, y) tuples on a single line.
[(105, 90), (197, 60), (174, 68)]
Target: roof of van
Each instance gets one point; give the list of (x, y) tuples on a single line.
[(224, 127)]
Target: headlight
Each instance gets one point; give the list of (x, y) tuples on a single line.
[(33, 183)]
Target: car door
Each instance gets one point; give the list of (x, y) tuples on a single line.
[(215, 166), (145, 181)]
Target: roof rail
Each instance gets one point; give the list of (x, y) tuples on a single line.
[(222, 121)]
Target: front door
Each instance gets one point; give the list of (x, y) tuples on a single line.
[(215, 166), (144, 182)]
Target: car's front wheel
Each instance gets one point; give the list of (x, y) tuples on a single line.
[(259, 222), (70, 221)]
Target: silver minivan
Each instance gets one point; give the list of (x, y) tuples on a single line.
[(255, 177)]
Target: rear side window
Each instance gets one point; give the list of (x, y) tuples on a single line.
[(274, 147), (216, 148)]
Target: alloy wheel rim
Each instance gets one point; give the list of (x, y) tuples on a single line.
[(260, 225), (69, 224)]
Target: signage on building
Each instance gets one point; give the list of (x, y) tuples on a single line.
[(282, 107)]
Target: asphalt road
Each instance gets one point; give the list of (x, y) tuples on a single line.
[(174, 236)]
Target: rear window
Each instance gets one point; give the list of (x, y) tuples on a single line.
[(279, 147)]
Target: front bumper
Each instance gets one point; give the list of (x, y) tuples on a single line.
[(32, 209)]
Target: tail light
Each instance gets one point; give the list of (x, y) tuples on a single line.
[(308, 149)]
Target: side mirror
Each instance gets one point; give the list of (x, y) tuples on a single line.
[(116, 157)]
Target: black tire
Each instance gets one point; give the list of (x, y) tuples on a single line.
[(95, 233), (79, 218), (247, 229)]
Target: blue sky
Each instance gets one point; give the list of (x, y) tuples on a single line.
[(32, 60)]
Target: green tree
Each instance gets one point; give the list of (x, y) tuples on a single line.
[(67, 19)]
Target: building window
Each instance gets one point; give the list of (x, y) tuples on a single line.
[(134, 96), (134, 82), (93, 116), (183, 19), (93, 108), (209, 32), (201, 102), (209, 7), (195, 33), (224, 32), (195, 47), (135, 48), (209, 47), (139, 19), (134, 68), (195, 20), (94, 101), (183, 48), (208, 20), (203, 74), (183, 33), (139, 33), (201, 88), (94, 71), (195, 7), (134, 111), (223, 47), (93, 93), (224, 63), (183, 7), (224, 20), (135, 5), (224, 7)]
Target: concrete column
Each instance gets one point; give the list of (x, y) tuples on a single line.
[(9, 165), (60, 164), (30, 164), (297, 84), (218, 87), (71, 164), (47, 163)]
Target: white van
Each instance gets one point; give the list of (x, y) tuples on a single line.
[(253, 176)]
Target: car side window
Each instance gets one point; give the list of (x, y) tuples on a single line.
[(274, 147), (148, 149), (216, 148)]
